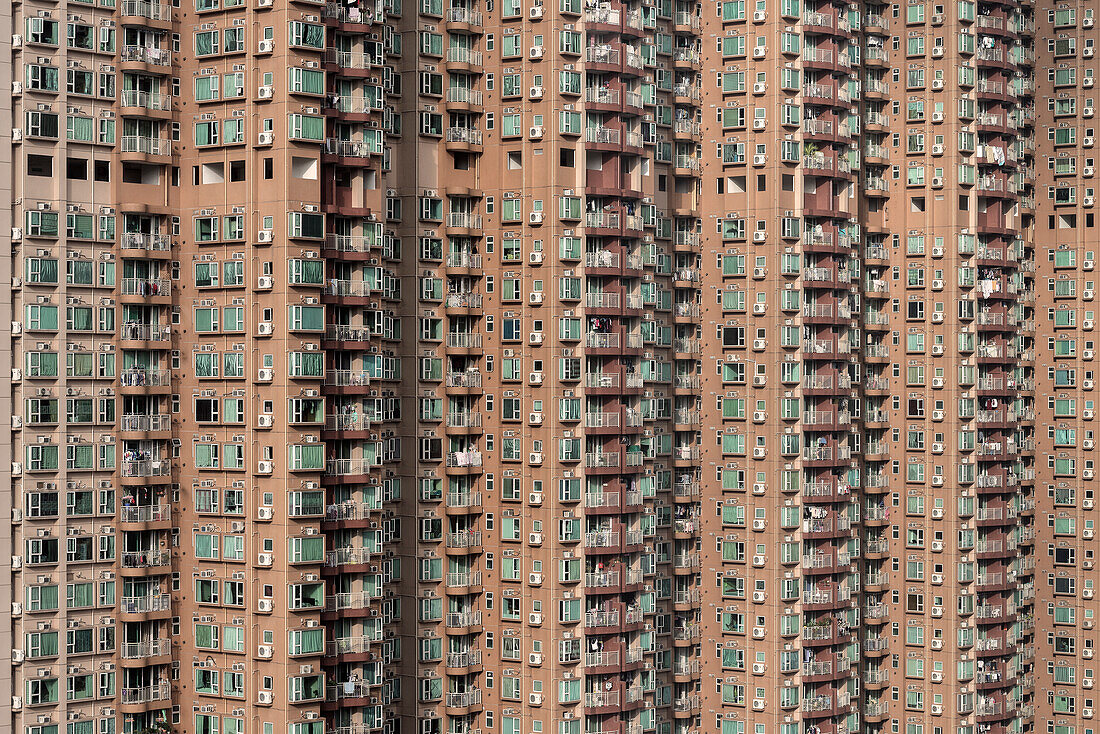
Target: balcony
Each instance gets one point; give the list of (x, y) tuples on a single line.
[(463, 135), (146, 604), (146, 286), (347, 378), (347, 467), (146, 468), (146, 241), (136, 331), (464, 499), (154, 101), (460, 459), (146, 694), (464, 699), (464, 539), (462, 579), (152, 422), (148, 10), (145, 513), (148, 146), (145, 559), (145, 649)]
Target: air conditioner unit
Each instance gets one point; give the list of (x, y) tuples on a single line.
[(537, 52), (937, 644), (535, 337), (265, 698), (536, 93), (264, 467), (937, 512), (535, 538), (265, 421), (535, 658), (265, 92), (758, 52), (1086, 682), (759, 344), (759, 236), (759, 272), (937, 448), (535, 457), (937, 349), (937, 52), (265, 374), (1087, 22), (263, 512), (265, 46), (534, 618), (1088, 412), (758, 668), (759, 415), (937, 316), (937, 285), (937, 709), (759, 561), (759, 524), (265, 605), (759, 159), (1090, 171), (759, 16), (1087, 473), (937, 611), (937, 578), (265, 328), (265, 3), (937, 415), (535, 699), (1086, 534), (937, 84), (536, 217), (937, 481), (759, 88), (536, 12), (1088, 294), (534, 579), (759, 308), (937, 382), (937, 19), (759, 380), (16, 88), (535, 258), (1085, 712), (758, 597), (536, 132), (265, 559), (937, 546), (1087, 443), (265, 282), (535, 419), (265, 651), (535, 298), (265, 235), (266, 137), (937, 117), (759, 632), (534, 498), (937, 181)]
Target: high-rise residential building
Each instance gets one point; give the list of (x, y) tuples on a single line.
[(549, 367)]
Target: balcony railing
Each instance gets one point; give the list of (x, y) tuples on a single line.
[(148, 146), (147, 100), (145, 513), (146, 694), (145, 649), (154, 422), (143, 9)]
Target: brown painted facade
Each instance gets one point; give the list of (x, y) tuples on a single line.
[(550, 368)]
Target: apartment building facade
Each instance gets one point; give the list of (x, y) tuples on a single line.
[(573, 367)]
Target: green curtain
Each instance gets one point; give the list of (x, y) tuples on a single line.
[(204, 456), (81, 595), (81, 318), (313, 128), (47, 271), (80, 271), (312, 363), (313, 271), (204, 365), (81, 456), (81, 128), (206, 319), (204, 43), (47, 642), (314, 36), (47, 597)]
